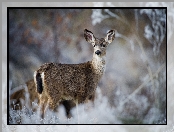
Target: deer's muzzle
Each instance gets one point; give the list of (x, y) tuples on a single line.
[(98, 52)]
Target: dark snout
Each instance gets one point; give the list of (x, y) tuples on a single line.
[(98, 52)]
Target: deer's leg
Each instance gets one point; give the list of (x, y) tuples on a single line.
[(91, 99), (43, 100), (89, 102), (77, 110), (68, 104), (42, 105), (51, 105)]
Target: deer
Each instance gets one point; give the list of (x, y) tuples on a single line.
[(18, 98), (55, 82)]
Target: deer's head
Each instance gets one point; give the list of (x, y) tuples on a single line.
[(99, 45)]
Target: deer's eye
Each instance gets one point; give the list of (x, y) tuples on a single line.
[(102, 45)]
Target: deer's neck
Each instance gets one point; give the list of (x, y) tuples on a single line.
[(99, 64)]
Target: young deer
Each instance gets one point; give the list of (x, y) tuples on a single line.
[(77, 82)]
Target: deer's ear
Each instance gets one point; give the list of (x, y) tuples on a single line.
[(89, 36), (110, 36)]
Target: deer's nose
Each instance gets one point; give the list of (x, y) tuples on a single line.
[(98, 52)]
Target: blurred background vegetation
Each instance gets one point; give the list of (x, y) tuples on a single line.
[(135, 78)]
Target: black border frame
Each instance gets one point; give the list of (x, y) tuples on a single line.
[(8, 8)]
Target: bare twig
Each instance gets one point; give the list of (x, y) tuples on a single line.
[(142, 85), (146, 61)]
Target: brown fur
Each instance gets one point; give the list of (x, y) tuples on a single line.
[(16, 97), (76, 82), (19, 95)]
